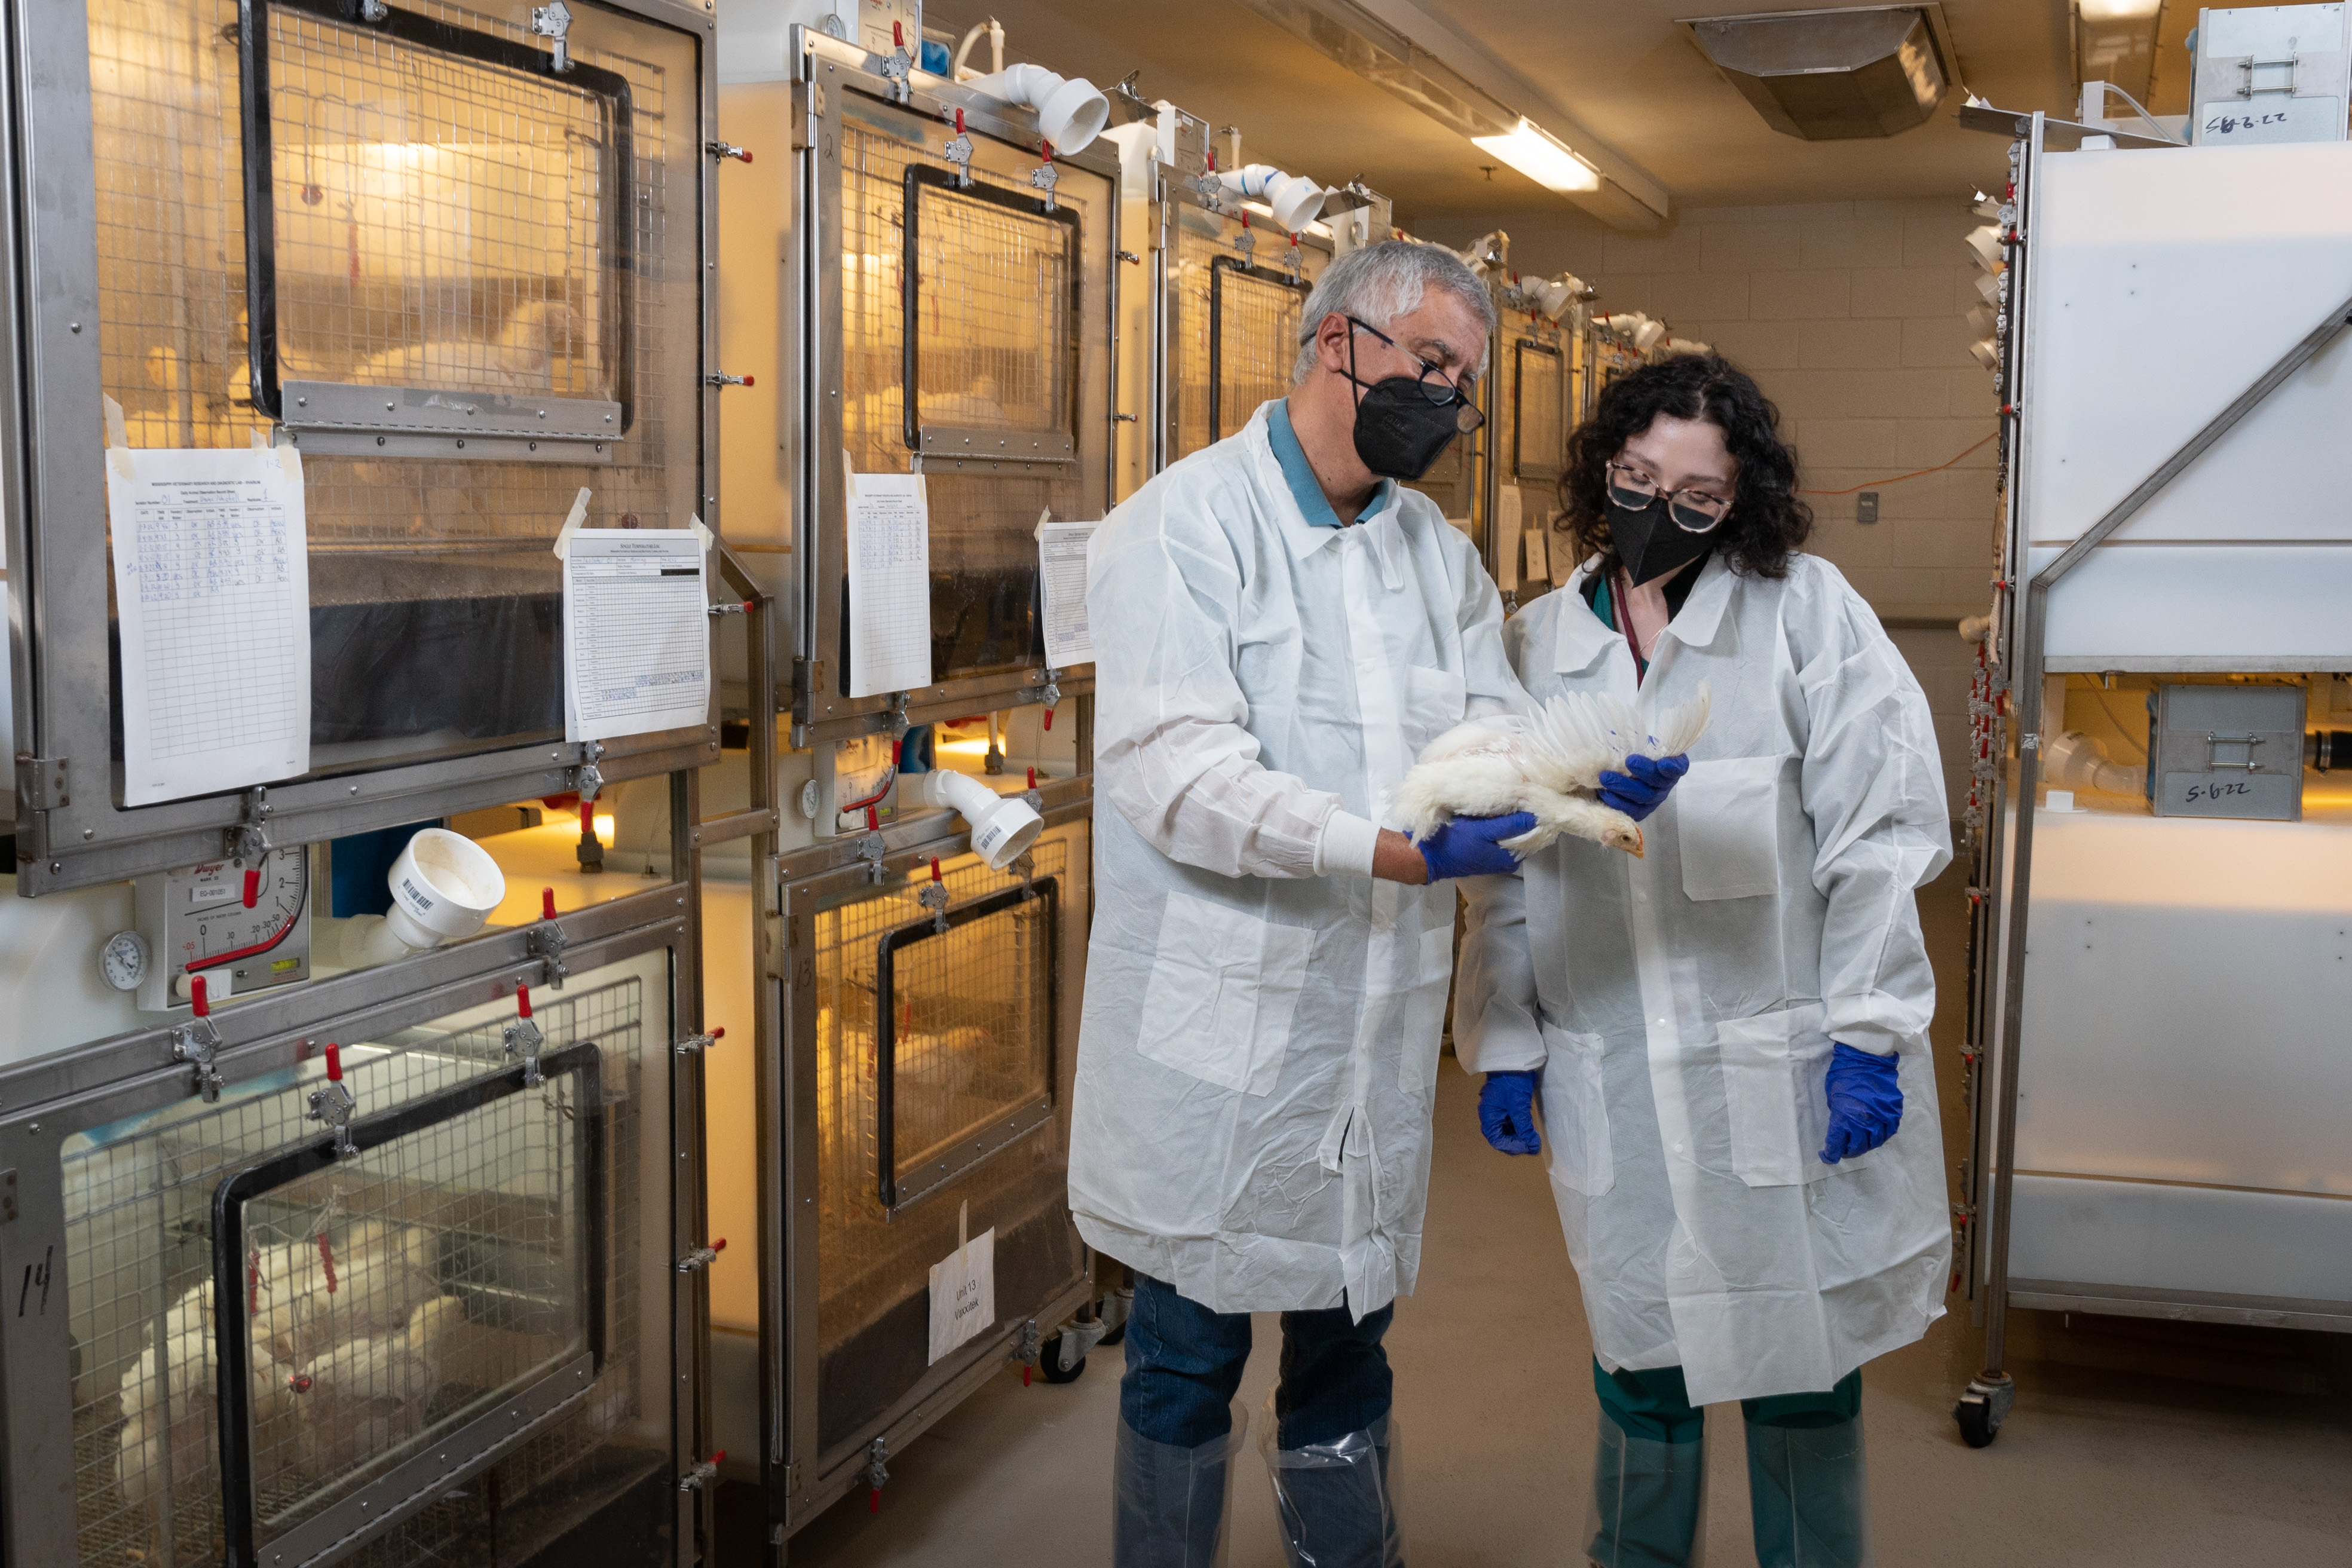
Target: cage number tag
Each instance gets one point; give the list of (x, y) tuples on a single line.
[(963, 1290)]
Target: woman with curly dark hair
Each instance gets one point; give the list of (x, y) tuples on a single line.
[(1729, 1035)]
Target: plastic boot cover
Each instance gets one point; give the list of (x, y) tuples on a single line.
[(1171, 1506), (1649, 1502), (1805, 1489), (1336, 1502)]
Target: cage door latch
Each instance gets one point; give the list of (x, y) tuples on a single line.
[(897, 65), (693, 1043), (546, 941), (249, 839), (877, 1471), (334, 1103), (725, 150), (957, 152), (553, 22), (702, 1257), (871, 849), (703, 1474), (525, 1039), (198, 1042)]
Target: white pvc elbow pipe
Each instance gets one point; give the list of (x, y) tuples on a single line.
[(1003, 825), (443, 885), (1297, 201), (1070, 112)]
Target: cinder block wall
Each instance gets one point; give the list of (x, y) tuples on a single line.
[(1850, 315)]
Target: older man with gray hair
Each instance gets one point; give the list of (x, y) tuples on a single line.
[(1280, 628)]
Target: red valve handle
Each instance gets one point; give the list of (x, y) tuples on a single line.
[(748, 381), (196, 999), (253, 887), (334, 1063), (522, 1000), (1049, 717), (720, 1033), (547, 903), (1044, 149)]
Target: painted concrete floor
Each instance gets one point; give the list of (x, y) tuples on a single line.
[(2132, 1444)]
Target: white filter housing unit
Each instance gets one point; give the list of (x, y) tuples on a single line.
[(2269, 73), (2163, 283), (1070, 112)]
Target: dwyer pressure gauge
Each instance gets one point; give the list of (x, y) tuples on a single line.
[(243, 926)]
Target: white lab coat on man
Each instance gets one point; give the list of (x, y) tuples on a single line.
[(1683, 1006), (1259, 1046)]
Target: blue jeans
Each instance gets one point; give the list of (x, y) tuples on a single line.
[(1184, 1364)]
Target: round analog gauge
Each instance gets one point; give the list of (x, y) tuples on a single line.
[(123, 960), (226, 912)]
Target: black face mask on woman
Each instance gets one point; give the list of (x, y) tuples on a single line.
[(1650, 544), (1404, 423)]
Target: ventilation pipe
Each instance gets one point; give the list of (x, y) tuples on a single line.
[(1487, 252), (1070, 112), (1635, 328), (1553, 296), (1297, 201), (443, 886), (1003, 825)]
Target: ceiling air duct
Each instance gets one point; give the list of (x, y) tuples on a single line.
[(1834, 76)]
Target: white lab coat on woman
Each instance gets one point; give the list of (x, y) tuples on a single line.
[(1260, 1040), (1683, 1006)]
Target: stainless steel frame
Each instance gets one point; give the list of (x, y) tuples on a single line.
[(2005, 858), (1525, 343), (834, 83), (69, 832), (52, 1099)]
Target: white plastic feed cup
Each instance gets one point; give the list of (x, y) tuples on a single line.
[(442, 886)]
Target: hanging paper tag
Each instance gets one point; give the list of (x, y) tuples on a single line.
[(963, 1290)]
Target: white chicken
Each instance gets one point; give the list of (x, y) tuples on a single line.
[(365, 1396), (171, 1434), (536, 334), (1550, 765)]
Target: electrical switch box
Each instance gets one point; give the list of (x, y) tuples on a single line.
[(2227, 750)]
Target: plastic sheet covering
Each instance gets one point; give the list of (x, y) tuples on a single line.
[(1336, 1502), (442, 225), (974, 1041), (1649, 1501), (1806, 1490), (1172, 1507), (395, 1298), (996, 311)]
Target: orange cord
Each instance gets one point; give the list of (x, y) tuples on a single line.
[(1871, 484)]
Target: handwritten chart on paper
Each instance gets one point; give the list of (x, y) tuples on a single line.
[(637, 633), (889, 583), (1062, 583), (212, 584)]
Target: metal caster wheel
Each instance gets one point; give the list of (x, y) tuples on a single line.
[(1982, 1408), (1049, 1362), (1116, 1335)]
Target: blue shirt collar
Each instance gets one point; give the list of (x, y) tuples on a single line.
[(1303, 489)]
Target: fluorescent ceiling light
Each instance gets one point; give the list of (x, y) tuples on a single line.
[(2120, 10), (1541, 157)]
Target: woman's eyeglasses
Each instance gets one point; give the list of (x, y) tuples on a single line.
[(1693, 510)]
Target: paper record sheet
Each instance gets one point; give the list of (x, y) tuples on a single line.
[(889, 583), (1062, 551), (212, 587), (637, 633)]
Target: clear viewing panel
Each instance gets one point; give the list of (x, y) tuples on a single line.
[(1540, 422), (481, 241), (390, 1301), (1232, 334), (973, 1045), (1005, 352)]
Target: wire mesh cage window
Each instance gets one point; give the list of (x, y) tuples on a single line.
[(1539, 423), (936, 1070), (318, 215), (975, 298), (1253, 318), (450, 1325)]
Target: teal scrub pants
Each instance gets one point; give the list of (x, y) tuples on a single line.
[(1804, 1474)]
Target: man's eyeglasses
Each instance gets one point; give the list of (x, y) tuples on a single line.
[(1693, 510), (1434, 384)]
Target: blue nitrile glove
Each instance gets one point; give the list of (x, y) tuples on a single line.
[(1468, 846), (1506, 1112), (1645, 790), (1866, 1103)]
